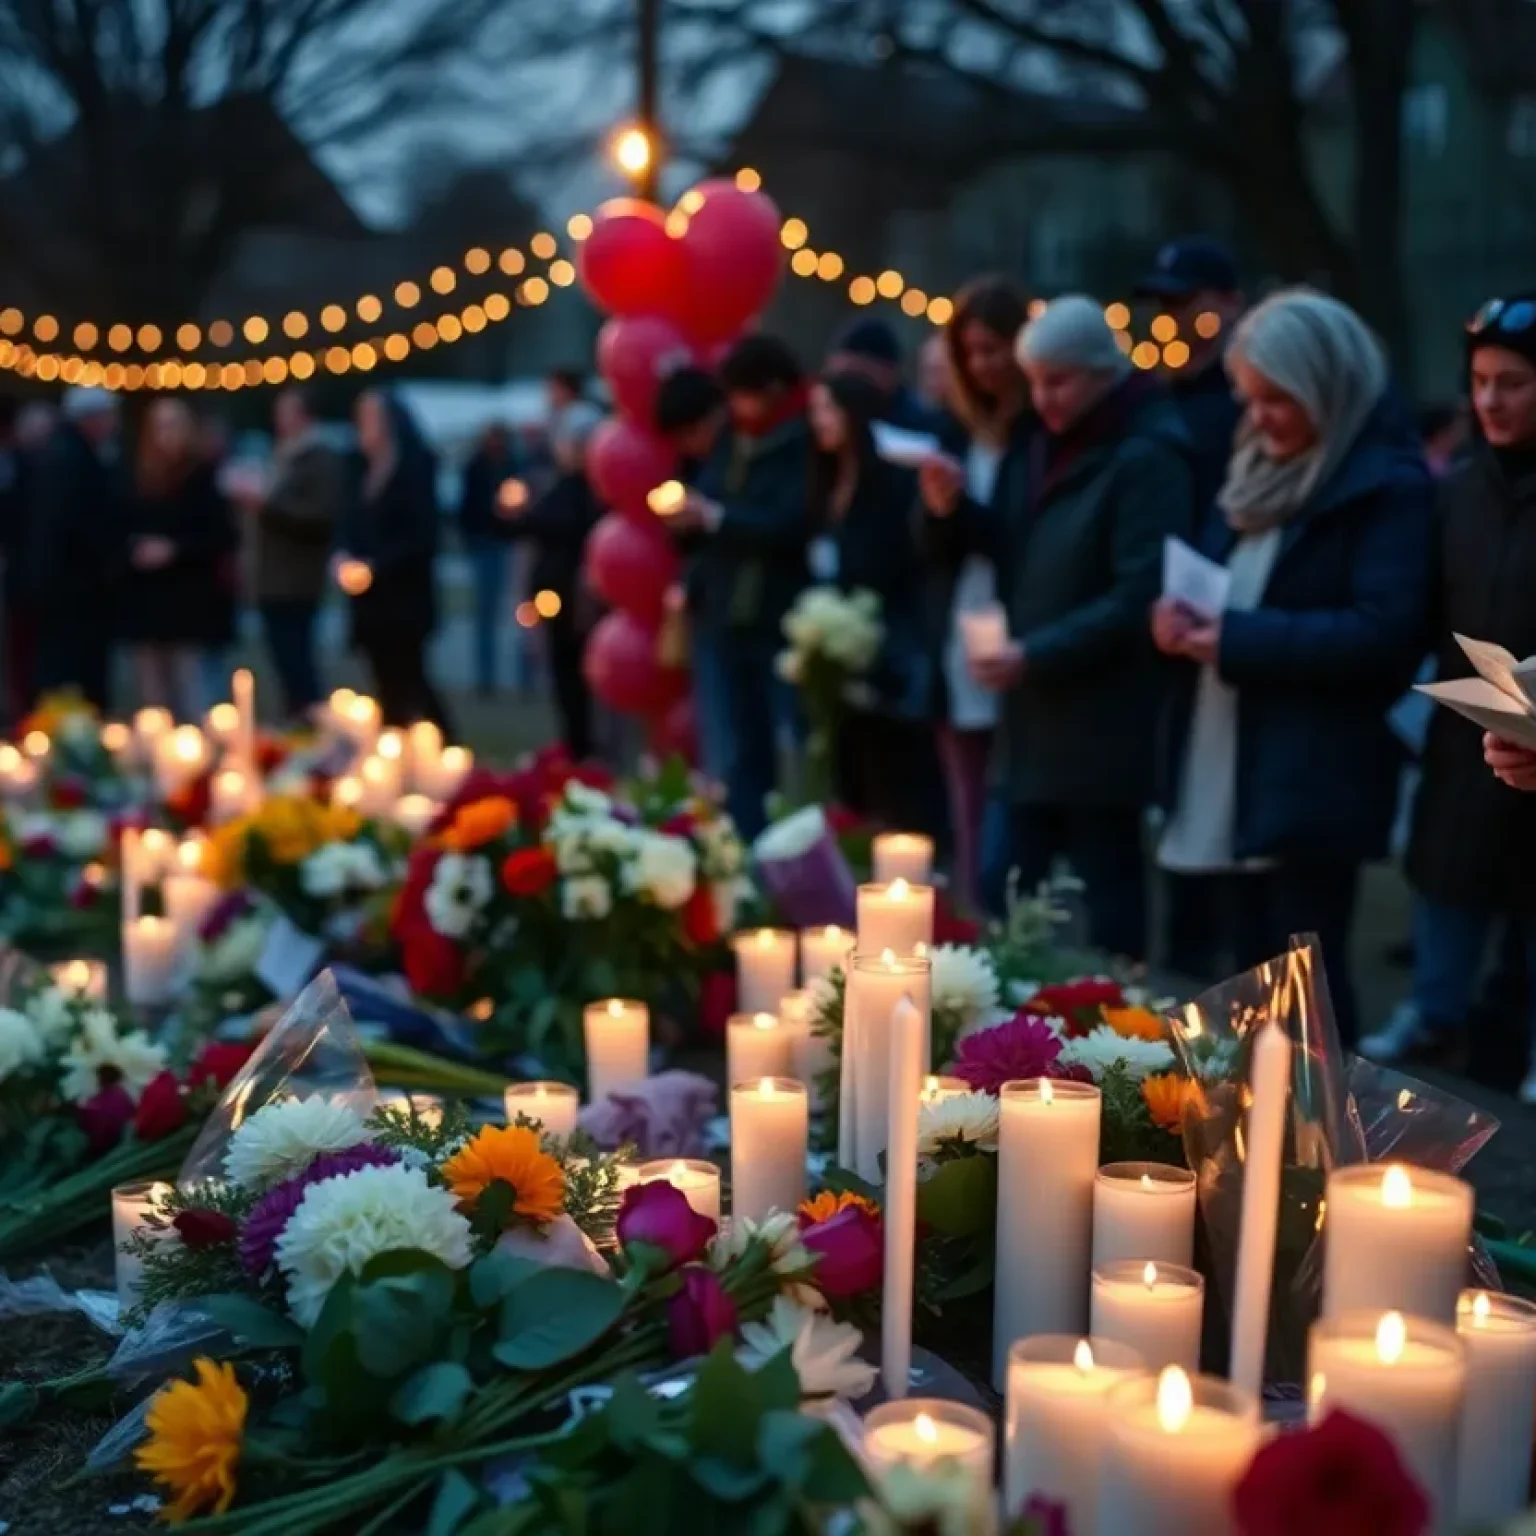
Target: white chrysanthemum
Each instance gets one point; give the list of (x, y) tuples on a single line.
[(844, 627), (792, 837), (721, 848), (132, 1059), (585, 800), (964, 982), (283, 1138), (52, 1014), (235, 953), (823, 1351), (34, 827), (1101, 1048), (967, 1117), (344, 1222), (461, 888), (82, 834), (20, 1044), (338, 869), (788, 1257), (663, 869), (586, 896)]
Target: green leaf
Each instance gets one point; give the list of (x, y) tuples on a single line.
[(961, 1197), (457, 1498), (554, 1315), (633, 1414), (250, 1322), (494, 1210), (18, 1402), (401, 1309), (436, 1391), (727, 1480), (727, 1408), (494, 1276)]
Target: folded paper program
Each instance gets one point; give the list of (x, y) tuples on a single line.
[(1501, 698)]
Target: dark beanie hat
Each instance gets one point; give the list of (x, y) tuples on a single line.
[(869, 337), (1508, 323)]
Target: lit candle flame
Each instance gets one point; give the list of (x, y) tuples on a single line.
[(930, 1087), (156, 841), (1482, 1310), (615, 1008), (1404, 1098), (1391, 1337), (35, 744), (1082, 1356), (390, 745), (678, 1171), (765, 1021), (888, 959), (1146, 1181), (667, 498), (925, 1429), (1047, 1093), (765, 938), (1316, 1388), (898, 889), (114, 737), (187, 743), (1149, 1277), (1396, 1188), (833, 931), (223, 719), (765, 1088), (1175, 1400), (189, 855)]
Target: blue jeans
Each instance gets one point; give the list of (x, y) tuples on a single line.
[(289, 625), (1449, 945), (737, 701), (488, 564)]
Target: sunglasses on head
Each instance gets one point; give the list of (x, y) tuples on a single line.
[(1501, 315)]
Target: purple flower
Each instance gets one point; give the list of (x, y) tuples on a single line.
[(664, 1115), (699, 1315), (656, 1219), (850, 1249), (105, 1116), (1023, 1047), (227, 911), (263, 1227), (1045, 1517)]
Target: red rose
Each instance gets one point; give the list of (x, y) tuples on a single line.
[(851, 1253), (411, 904), (593, 775), (84, 894), (701, 923), (1067, 999), (841, 821), (699, 1314), (1342, 1477), (202, 1228), (105, 1116), (680, 824), (67, 794), (717, 1002), (528, 871), (162, 1110), (434, 966), (217, 1063)]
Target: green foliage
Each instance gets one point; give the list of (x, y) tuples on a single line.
[(401, 1126), (552, 1315), (827, 1024), (178, 1272), (959, 1199), (1127, 1132)]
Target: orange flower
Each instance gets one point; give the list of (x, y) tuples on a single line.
[(511, 1155), (7, 855), (1168, 1096), (195, 1433), (479, 823), (1136, 1023), (827, 1204)]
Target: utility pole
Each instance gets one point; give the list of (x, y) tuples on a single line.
[(648, 62)]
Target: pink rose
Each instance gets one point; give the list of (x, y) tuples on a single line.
[(850, 1249), (699, 1315), (658, 1227)]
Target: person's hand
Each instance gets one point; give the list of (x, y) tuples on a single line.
[(152, 553), (695, 513), (941, 481), (1171, 624), (1512, 765), (1000, 671), (1202, 642)]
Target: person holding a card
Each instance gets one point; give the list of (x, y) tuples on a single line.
[(1282, 767)]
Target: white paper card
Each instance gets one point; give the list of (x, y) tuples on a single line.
[(1516, 679), (1193, 579), (1485, 705), (288, 959), (898, 445)]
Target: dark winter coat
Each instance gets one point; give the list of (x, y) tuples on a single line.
[(394, 529), (298, 523), (1211, 413), (1474, 839), (480, 518), (191, 600), (1337, 637), (558, 525)]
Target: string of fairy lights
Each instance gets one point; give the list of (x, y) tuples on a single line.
[(222, 355)]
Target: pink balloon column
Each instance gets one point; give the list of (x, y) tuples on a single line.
[(678, 288)]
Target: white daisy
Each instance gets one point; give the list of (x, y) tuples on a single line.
[(964, 982), (283, 1138), (131, 1059), (967, 1117), (1101, 1048), (461, 888), (824, 1352), (344, 1222), (340, 868), (788, 1257), (586, 896), (585, 800), (20, 1044), (52, 1012)]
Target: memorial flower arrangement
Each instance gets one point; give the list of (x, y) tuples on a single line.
[(58, 874)]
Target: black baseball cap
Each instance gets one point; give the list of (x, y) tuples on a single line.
[(1184, 267)]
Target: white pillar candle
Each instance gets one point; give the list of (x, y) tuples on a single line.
[(347, 791), (795, 1021), (1047, 1155), (453, 767), (180, 755), (1154, 1308), (414, 813), (765, 968), (698, 1181), (243, 692), (424, 742), (223, 725), (381, 784), (188, 894), (823, 950), (1144, 1211), (229, 796), (1408, 1377), (116, 742), (85, 979), (617, 1031), (554, 1106), (902, 856), (427, 1108), (149, 961), (131, 1205), (900, 1208), (1269, 1078), (756, 1045), (1177, 1447), (361, 721), (983, 630), (770, 1129), (876, 983), (924, 1432), (18, 775), (149, 725), (1058, 1395), (936, 1089), (897, 917), (1498, 1417), (1396, 1241)]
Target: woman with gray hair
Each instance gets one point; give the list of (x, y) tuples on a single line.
[(1283, 768)]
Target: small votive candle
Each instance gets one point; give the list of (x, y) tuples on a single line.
[(924, 1433), (1144, 1211), (131, 1205), (414, 813), (188, 893), (756, 1045), (698, 1181), (1396, 1241), (347, 791), (1176, 1448), (824, 950), (150, 951), (1498, 1417), (1405, 1375), (85, 979), (936, 1089), (149, 725), (223, 724), (229, 795), (902, 856), (554, 1106), (180, 756), (18, 774), (116, 740), (1154, 1308), (765, 968), (1058, 1395), (897, 917), (425, 1107), (770, 1129), (618, 1038), (381, 783)]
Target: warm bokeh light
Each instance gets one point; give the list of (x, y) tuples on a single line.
[(85, 335), (1145, 354), (449, 328), (188, 337), (120, 338), (407, 295), (632, 150), (11, 322), (254, 330), (511, 496), (45, 328), (364, 357), (369, 308), (543, 245), (803, 262), (1207, 324), (497, 306), (221, 333), (889, 284), (579, 226), (914, 302), (793, 234), (526, 614), (829, 266), (748, 180), (1117, 316), (338, 359), (333, 317), (534, 291), (1176, 354), (562, 274), (1164, 328), (443, 280), (354, 577), (274, 370), (477, 260), (425, 335), (511, 261), (397, 347), (472, 318), (547, 603), (941, 310), (1035, 308), (295, 324), (862, 290)]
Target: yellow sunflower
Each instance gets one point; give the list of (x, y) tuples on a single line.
[(1136, 1023), (193, 1448), (1167, 1096), (826, 1205), (511, 1154)]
